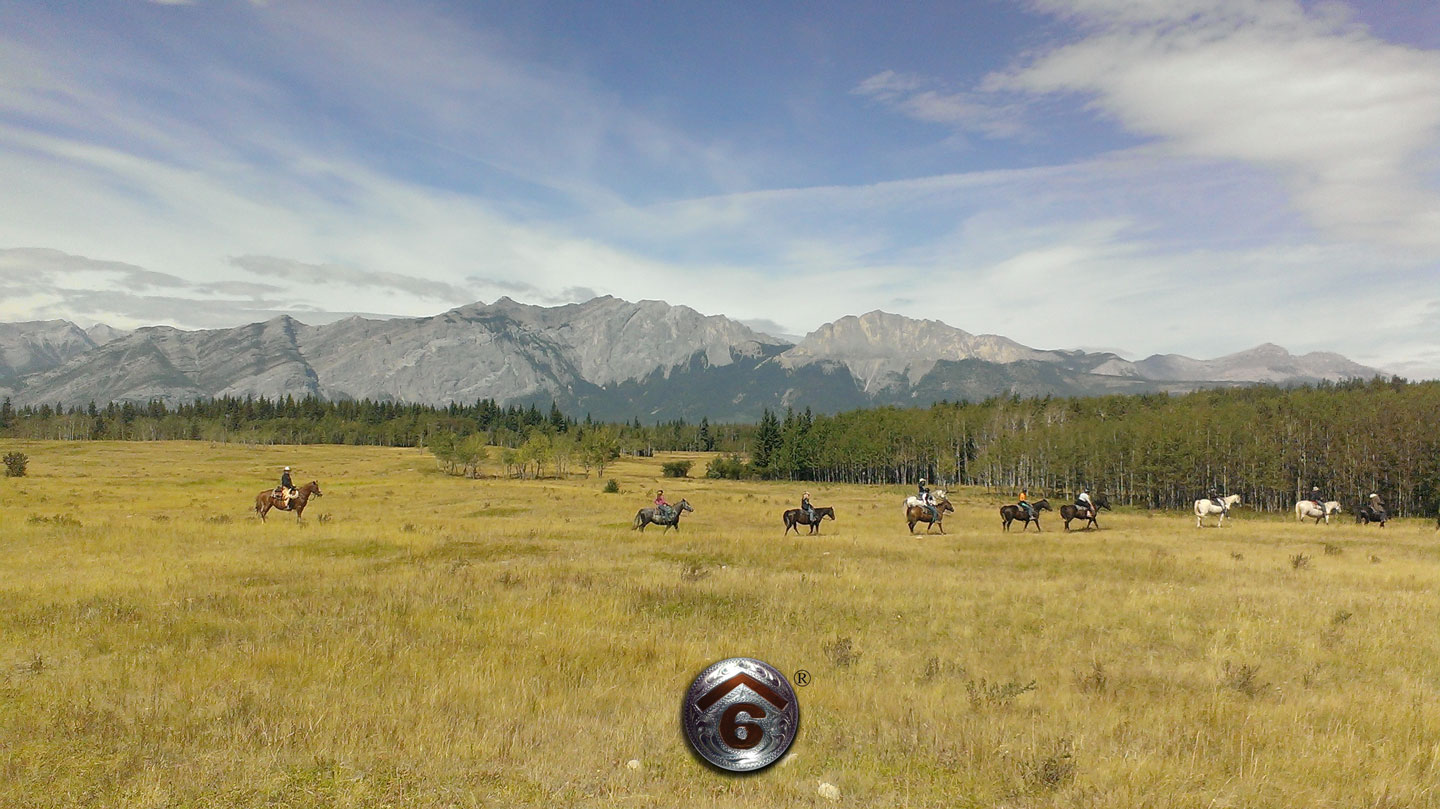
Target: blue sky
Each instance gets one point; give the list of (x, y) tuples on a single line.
[(1191, 176)]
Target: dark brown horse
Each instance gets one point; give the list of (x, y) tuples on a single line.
[(1014, 512), (646, 516), (1366, 514), (914, 514), (797, 516), (267, 500), (1070, 511)]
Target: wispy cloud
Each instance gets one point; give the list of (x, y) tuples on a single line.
[(1350, 122), (920, 98)]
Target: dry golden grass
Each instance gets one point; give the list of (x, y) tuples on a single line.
[(431, 641)]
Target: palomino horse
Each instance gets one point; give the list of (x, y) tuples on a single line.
[(1306, 509), (267, 500), (915, 512), (797, 516), (646, 516), (1014, 512), (1205, 508), (1070, 511)]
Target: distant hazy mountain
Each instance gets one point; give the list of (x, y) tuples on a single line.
[(611, 358), (29, 348)]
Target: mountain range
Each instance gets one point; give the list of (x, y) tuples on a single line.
[(611, 358)]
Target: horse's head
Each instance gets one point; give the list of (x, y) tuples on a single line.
[(1333, 507), (826, 512), (1041, 505), (943, 504), (314, 488), (938, 495), (684, 505)]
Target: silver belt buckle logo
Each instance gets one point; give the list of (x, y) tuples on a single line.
[(741, 714)]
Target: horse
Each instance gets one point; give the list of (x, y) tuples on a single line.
[(1070, 511), (267, 500), (1308, 508), (646, 516), (1205, 508), (797, 516), (917, 512), (1013, 512), (1366, 515)]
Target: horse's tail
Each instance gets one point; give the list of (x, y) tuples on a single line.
[(639, 520)]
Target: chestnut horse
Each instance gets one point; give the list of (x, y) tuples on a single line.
[(267, 500), (914, 514)]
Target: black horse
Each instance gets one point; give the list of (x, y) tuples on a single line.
[(646, 516), (1014, 512), (1365, 515), (796, 516), (1070, 511)]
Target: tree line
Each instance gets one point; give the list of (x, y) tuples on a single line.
[(1267, 444), (526, 440)]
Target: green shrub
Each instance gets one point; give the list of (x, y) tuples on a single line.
[(728, 467), (676, 469), (611, 487), (15, 463)]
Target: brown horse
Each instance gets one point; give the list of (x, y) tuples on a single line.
[(1070, 512), (267, 500), (797, 516), (1013, 512), (914, 514)]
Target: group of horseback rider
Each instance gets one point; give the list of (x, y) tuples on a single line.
[(1373, 509), (1084, 506)]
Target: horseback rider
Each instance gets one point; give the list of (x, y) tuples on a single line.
[(807, 508), (662, 508), (286, 491), (1025, 506), (1214, 495), (1082, 501), (923, 495), (1316, 497), (1377, 508)]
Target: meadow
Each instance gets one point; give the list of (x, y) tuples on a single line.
[(433, 641)]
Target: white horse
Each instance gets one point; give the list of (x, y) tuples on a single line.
[(1310, 509), (1205, 508), (935, 497)]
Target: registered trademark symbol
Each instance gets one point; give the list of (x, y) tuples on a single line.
[(802, 678)]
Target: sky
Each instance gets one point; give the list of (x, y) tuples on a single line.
[(1143, 176)]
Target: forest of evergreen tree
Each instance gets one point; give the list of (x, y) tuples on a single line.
[(1264, 443)]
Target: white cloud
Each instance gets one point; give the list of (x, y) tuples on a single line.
[(922, 99), (1349, 121)]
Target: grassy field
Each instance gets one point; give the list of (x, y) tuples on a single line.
[(431, 641)]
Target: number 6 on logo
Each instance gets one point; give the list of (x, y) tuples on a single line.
[(726, 717)]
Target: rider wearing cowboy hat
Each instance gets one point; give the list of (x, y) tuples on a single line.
[(286, 489), (807, 508), (923, 495)]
